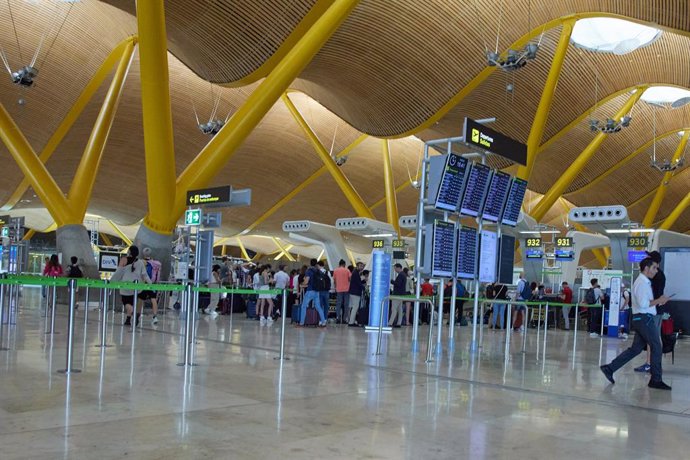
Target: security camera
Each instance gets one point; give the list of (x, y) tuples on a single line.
[(25, 76)]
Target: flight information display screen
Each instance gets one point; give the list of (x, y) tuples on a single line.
[(443, 255), (496, 197), (452, 183), (506, 259), (518, 187), (488, 256), (475, 190), (467, 252)]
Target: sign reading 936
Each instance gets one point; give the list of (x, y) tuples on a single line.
[(533, 242), (377, 244)]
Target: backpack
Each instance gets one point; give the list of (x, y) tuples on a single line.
[(321, 280), (75, 272), (153, 268), (590, 298), (526, 292)]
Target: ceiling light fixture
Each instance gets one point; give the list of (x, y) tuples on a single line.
[(378, 235)]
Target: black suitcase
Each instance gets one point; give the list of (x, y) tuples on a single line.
[(363, 315)]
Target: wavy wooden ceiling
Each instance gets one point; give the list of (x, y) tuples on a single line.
[(388, 69)]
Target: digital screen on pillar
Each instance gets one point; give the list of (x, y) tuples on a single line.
[(564, 254), (467, 252), (452, 183), (488, 256), (506, 259), (443, 254), (475, 190), (516, 194), (496, 197), (534, 254)]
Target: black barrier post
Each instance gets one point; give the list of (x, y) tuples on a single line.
[(104, 317), (72, 287), (52, 310), (188, 319)]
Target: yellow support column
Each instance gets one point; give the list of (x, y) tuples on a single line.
[(294, 192), (72, 116), (389, 186), (348, 190), (106, 238), (28, 235), (542, 115), (242, 249), (580, 162), (663, 186), (157, 116), (120, 233), (676, 213), (85, 176), (284, 250), (224, 144), (34, 170)]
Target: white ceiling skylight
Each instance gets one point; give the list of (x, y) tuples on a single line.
[(609, 35), (664, 95)]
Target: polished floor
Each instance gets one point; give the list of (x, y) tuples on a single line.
[(334, 398)]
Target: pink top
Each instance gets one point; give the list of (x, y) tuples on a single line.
[(341, 276)]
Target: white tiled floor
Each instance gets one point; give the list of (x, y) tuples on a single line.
[(332, 399)]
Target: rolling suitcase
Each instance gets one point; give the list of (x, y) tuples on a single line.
[(251, 309), (296, 310), (312, 317)]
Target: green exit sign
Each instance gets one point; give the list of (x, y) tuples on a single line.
[(5, 231), (192, 217)]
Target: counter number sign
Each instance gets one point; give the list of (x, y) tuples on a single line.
[(377, 244), (637, 241), (564, 242), (533, 242), (398, 243)]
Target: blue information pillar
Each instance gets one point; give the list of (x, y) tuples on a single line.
[(380, 287)]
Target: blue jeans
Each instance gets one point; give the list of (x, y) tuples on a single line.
[(341, 304), (646, 333), (499, 310), (310, 296)]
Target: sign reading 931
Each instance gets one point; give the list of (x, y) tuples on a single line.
[(533, 242)]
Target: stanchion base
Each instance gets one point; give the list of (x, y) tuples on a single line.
[(71, 371), (103, 346), (185, 364), (285, 358), (54, 332), (4, 349)]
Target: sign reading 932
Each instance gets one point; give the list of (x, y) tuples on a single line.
[(533, 242), (637, 241)]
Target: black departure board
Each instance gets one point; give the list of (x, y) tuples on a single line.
[(452, 183), (467, 252), (518, 187), (496, 197), (443, 255), (475, 190), (506, 259)]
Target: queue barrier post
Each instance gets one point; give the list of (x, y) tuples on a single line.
[(282, 324), (104, 317), (524, 334), (86, 305), (546, 328), (601, 334), (509, 327), (72, 287), (52, 309), (188, 320), (2, 313), (429, 347), (378, 339)]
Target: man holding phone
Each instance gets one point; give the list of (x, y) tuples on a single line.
[(644, 310)]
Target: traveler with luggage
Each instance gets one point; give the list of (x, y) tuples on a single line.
[(313, 281)]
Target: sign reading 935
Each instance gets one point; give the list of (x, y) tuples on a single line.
[(637, 241), (378, 244), (533, 242)]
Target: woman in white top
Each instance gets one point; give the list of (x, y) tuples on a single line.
[(265, 300), (214, 283), (131, 269)]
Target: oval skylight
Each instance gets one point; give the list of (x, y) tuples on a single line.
[(666, 95), (610, 35)]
